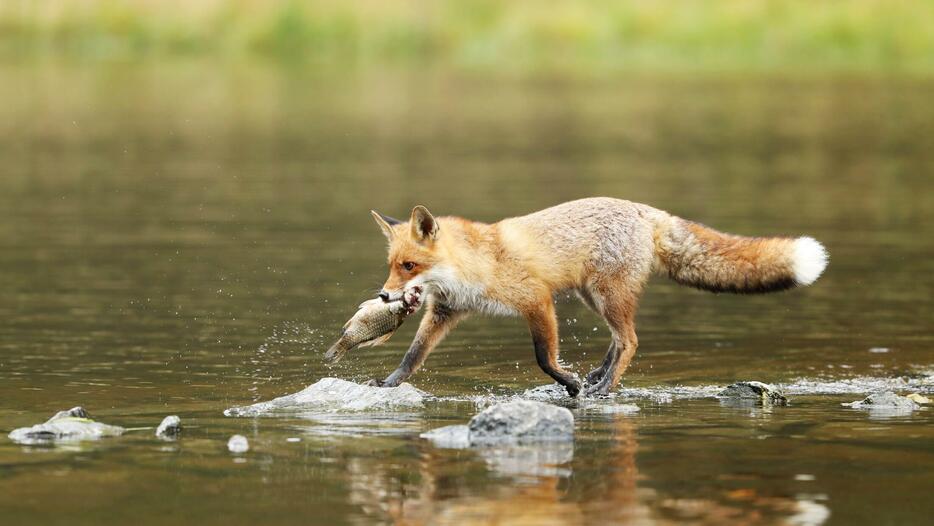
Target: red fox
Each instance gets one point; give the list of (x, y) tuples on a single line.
[(603, 249)]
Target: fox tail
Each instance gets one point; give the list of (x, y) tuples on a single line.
[(698, 256)]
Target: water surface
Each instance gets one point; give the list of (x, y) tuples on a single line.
[(181, 238)]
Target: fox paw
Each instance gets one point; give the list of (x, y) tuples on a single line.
[(600, 390), (573, 388), (412, 299), (594, 377)]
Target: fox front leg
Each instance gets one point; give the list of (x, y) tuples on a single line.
[(436, 323)]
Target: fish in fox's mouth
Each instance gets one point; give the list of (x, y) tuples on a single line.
[(374, 322)]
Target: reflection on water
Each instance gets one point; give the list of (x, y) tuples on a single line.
[(181, 239)]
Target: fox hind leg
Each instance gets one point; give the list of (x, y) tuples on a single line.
[(617, 304), (544, 328), (594, 376)]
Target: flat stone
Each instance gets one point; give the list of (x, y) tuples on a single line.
[(886, 401), (521, 421), (73, 425), (752, 390), (336, 395), (170, 427)]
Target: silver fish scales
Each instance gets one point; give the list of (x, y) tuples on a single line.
[(373, 324)]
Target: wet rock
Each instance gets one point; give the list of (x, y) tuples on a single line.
[(552, 393), (886, 401), (73, 425), (454, 437), (753, 391), (918, 398), (170, 428), (520, 422), (238, 444), (337, 395)]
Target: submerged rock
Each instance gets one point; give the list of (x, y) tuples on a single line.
[(617, 409), (521, 422), (170, 427), (455, 437), (886, 401), (72, 425), (553, 393), (336, 394), (753, 391), (238, 444)]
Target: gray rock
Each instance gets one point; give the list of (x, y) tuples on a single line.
[(521, 422), (453, 437), (753, 391), (886, 401), (73, 425), (337, 395), (238, 444), (170, 427)]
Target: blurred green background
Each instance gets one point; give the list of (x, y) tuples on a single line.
[(518, 35)]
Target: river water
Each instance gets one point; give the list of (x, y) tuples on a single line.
[(177, 238)]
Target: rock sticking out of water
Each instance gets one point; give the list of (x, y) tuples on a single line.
[(753, 391), (238, 444), (521, 421), (72, 425), (170, 428), (518, 422), (336, 395), (887, 401)]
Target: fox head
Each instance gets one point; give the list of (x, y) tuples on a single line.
[(413, 250)]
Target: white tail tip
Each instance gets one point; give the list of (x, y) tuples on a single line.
[(809, 260)]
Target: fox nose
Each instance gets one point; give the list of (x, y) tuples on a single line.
[(383, 295)]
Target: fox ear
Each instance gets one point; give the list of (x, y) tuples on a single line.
[(385, 224), (424, 225)]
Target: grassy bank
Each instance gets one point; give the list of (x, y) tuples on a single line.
[(890, 35)]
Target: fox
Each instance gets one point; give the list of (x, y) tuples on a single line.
[(601, 248)]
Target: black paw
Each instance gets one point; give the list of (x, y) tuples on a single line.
[(594, 377), (601, 390), (573, 388)]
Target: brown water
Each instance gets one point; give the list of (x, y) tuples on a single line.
[(182, 238)]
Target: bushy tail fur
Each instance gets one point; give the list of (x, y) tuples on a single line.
[(701, 257)]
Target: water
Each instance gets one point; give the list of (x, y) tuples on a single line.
[(184, 238)]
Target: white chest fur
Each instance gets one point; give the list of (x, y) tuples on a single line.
[(460, 294)]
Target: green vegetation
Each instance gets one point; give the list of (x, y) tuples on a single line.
[(497, 34)]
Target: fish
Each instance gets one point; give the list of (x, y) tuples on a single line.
[(374, 323)]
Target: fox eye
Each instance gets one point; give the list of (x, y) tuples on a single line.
[(408, 266)]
